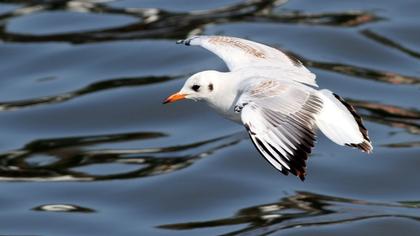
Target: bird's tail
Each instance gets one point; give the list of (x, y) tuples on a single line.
[(339, 122)]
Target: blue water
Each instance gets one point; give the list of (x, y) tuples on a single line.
[(87, 148)]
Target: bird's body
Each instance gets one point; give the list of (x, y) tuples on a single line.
[(276, 98)]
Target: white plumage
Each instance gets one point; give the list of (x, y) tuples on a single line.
[(240, 54), (276, 98)]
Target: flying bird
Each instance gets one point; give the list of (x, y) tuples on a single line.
[(276, 98)]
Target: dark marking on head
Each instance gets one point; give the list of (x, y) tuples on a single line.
[(195, 87), (211, 87)]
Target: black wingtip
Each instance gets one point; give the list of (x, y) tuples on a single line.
[(301, 177), (184, 41), (364, 146)]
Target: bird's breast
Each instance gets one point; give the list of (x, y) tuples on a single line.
[(225, 107)]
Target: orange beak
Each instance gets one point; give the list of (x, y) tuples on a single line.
[(174, 97)]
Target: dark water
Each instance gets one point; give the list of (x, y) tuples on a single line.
[(88, 149)]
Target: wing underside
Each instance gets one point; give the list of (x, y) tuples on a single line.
[(282, 128)]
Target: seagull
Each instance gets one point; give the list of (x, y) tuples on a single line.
[(276, 98)]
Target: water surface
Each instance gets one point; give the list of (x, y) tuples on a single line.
[(88, 149)]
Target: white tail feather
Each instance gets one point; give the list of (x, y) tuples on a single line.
[(340, 123)]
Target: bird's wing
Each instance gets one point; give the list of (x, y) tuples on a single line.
[(244, 54), (280, 119)]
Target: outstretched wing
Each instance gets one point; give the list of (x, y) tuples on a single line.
[(279, 118), (244, 54)]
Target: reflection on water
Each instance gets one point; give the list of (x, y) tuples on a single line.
[(156, 23), (360, 72), (393, 116), (365, 73), (367, 50), (390, 43), (403, 145), (63, 208), (68, 154), (302, 210), (93, 88)]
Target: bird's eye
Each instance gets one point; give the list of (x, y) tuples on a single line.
[(195, 87)]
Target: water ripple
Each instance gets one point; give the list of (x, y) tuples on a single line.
[(90, 89), (304, 209), (69, 157), (63, 208), (156, 23)]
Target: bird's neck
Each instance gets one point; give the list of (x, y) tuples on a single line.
[(224, 99)]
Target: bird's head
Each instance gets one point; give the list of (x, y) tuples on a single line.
[(200, 86)]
